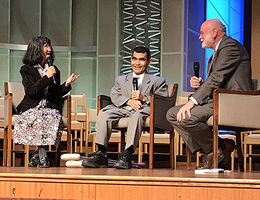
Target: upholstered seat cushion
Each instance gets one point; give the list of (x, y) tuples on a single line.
[(210, 121), (123, 122), (157, 136)]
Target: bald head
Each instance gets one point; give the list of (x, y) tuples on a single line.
[(211, 32), (217, 24)]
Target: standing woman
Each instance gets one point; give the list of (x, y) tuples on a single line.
[(40, 122)]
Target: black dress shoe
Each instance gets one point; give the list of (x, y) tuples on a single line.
[(44, 162), (207, 162), (34, 160), (96, 160), (124, 161)]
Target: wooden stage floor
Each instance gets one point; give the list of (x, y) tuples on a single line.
[(104, 184)]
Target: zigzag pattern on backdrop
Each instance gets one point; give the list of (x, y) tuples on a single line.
[(141, 25)]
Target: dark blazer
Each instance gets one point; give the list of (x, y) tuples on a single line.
[(34, 86), (230, 69)]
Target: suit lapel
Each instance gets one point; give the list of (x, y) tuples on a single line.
[(129, 83), (214, 55), (145, 83), (36, 73), (210, 63)]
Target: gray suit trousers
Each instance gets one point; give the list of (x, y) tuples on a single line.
[(194, 131), (108, 117)]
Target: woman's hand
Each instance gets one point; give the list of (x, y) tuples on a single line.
[(71, 79), (50, 71)]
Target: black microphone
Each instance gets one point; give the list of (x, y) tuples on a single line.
[(50, 63), (196, 67), (135, 83)]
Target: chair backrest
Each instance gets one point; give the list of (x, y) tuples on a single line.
[(159, 107), (92, 115), (80, 100), (256, 84), (16, 89), (171, 89)]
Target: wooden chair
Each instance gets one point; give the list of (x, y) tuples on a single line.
[(233, 153), (78, 120), (14, 93), (77, 129), (91, 118), (249, 138), (157, 121), (159, 138), (182, 100), (237, 111), (145, 139), (80, 103)]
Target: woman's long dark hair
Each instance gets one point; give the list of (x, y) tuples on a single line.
[(33, 55)]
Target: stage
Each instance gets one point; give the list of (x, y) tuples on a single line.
[(106, 184)]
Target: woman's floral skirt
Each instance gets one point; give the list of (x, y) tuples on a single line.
[(38, 126)]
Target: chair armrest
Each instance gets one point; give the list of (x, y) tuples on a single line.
[(2, 111), (66, 110), (8, 99), (236, 108), (66, 118), (103, 101), (159, 106)]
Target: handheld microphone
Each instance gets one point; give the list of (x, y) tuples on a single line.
[(196, 67), (50, 63), (135, 83)]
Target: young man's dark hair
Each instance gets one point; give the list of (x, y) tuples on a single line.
[(142, 49)]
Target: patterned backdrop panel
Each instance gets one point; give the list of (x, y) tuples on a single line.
[(140, 25)]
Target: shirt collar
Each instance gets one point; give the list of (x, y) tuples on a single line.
[(141, 76), (218, 44)]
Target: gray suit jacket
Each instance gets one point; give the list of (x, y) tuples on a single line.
[(121, 92), (230, 69)]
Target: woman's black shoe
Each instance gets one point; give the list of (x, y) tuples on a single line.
[(44, 162), (34, 160)]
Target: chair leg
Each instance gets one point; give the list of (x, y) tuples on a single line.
[(176, 148), (151, 146), (81, 140), (232, 160), (13, 156), (75, 141), (198, 154), (86, 142), (119, 147), (140, 151), (94, 143), (250, 158), (239, 151), (9, 146), (245, 151), (181, 147), (172, 155), (5, 148), (26, 155)]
